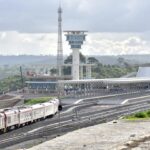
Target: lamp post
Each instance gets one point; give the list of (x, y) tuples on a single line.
[(21, 79)]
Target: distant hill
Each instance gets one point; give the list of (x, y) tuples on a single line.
[(30, 59), (131, 59), (26, 59)]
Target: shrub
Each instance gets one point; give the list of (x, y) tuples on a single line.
[(148, 113), (140, 115), (37, 100)]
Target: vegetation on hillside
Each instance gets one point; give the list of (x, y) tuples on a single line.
[(11, 83), (102, 71), (139, 115), (115, 71), (37, 100)]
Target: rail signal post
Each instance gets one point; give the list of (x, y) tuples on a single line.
[(75, 39)]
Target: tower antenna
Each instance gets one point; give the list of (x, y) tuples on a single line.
[(59, 46), (59, 3)]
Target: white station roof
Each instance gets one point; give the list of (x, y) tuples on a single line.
[(108, 80)]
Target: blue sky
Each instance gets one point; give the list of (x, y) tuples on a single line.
[(115, 26)]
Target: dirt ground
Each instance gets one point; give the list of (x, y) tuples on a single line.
[(114, 135)]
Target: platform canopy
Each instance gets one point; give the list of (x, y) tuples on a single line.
[(109, 80)]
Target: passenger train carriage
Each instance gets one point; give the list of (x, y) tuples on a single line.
[(11, 117), (15, 117), (2, 121), (25, 115)]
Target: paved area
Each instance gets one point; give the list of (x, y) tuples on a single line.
[(108, 136), (111, 101), (69, 101)]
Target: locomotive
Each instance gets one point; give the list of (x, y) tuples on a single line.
[(15, 117)]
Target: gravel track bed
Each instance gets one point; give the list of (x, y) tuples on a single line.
[(6, 97), (94, 108)]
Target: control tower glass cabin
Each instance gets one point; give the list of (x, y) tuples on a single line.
[(75, 39)]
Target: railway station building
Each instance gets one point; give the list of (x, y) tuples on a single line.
[(89, 87)]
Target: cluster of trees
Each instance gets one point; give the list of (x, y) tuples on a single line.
[(114, 71), (100, 70), (68, 60), (11, 83)]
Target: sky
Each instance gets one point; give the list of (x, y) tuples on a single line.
[(115, 27)]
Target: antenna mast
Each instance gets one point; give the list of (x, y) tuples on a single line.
[(59, 46)]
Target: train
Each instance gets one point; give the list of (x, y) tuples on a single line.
[(15, 117)]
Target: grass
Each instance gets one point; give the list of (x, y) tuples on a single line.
[(139, 116), (37, 100)]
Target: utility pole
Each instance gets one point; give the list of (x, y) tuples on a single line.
[(21, 75)]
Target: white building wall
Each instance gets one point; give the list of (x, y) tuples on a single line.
[(75, 69)]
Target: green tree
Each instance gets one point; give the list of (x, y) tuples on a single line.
[(67, 70), (53, 71), (10, 83), (121, 61), (68, 60), (92, 60)]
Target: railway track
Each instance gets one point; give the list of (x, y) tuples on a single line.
[(63, 123)]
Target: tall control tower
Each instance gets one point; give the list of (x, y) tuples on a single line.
[(59, 46), (75, 39)]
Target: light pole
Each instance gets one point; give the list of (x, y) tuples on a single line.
[(21, 79)]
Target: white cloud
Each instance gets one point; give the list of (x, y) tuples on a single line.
[(96, 44), (105, 44), (24, 43), (121, 27)]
